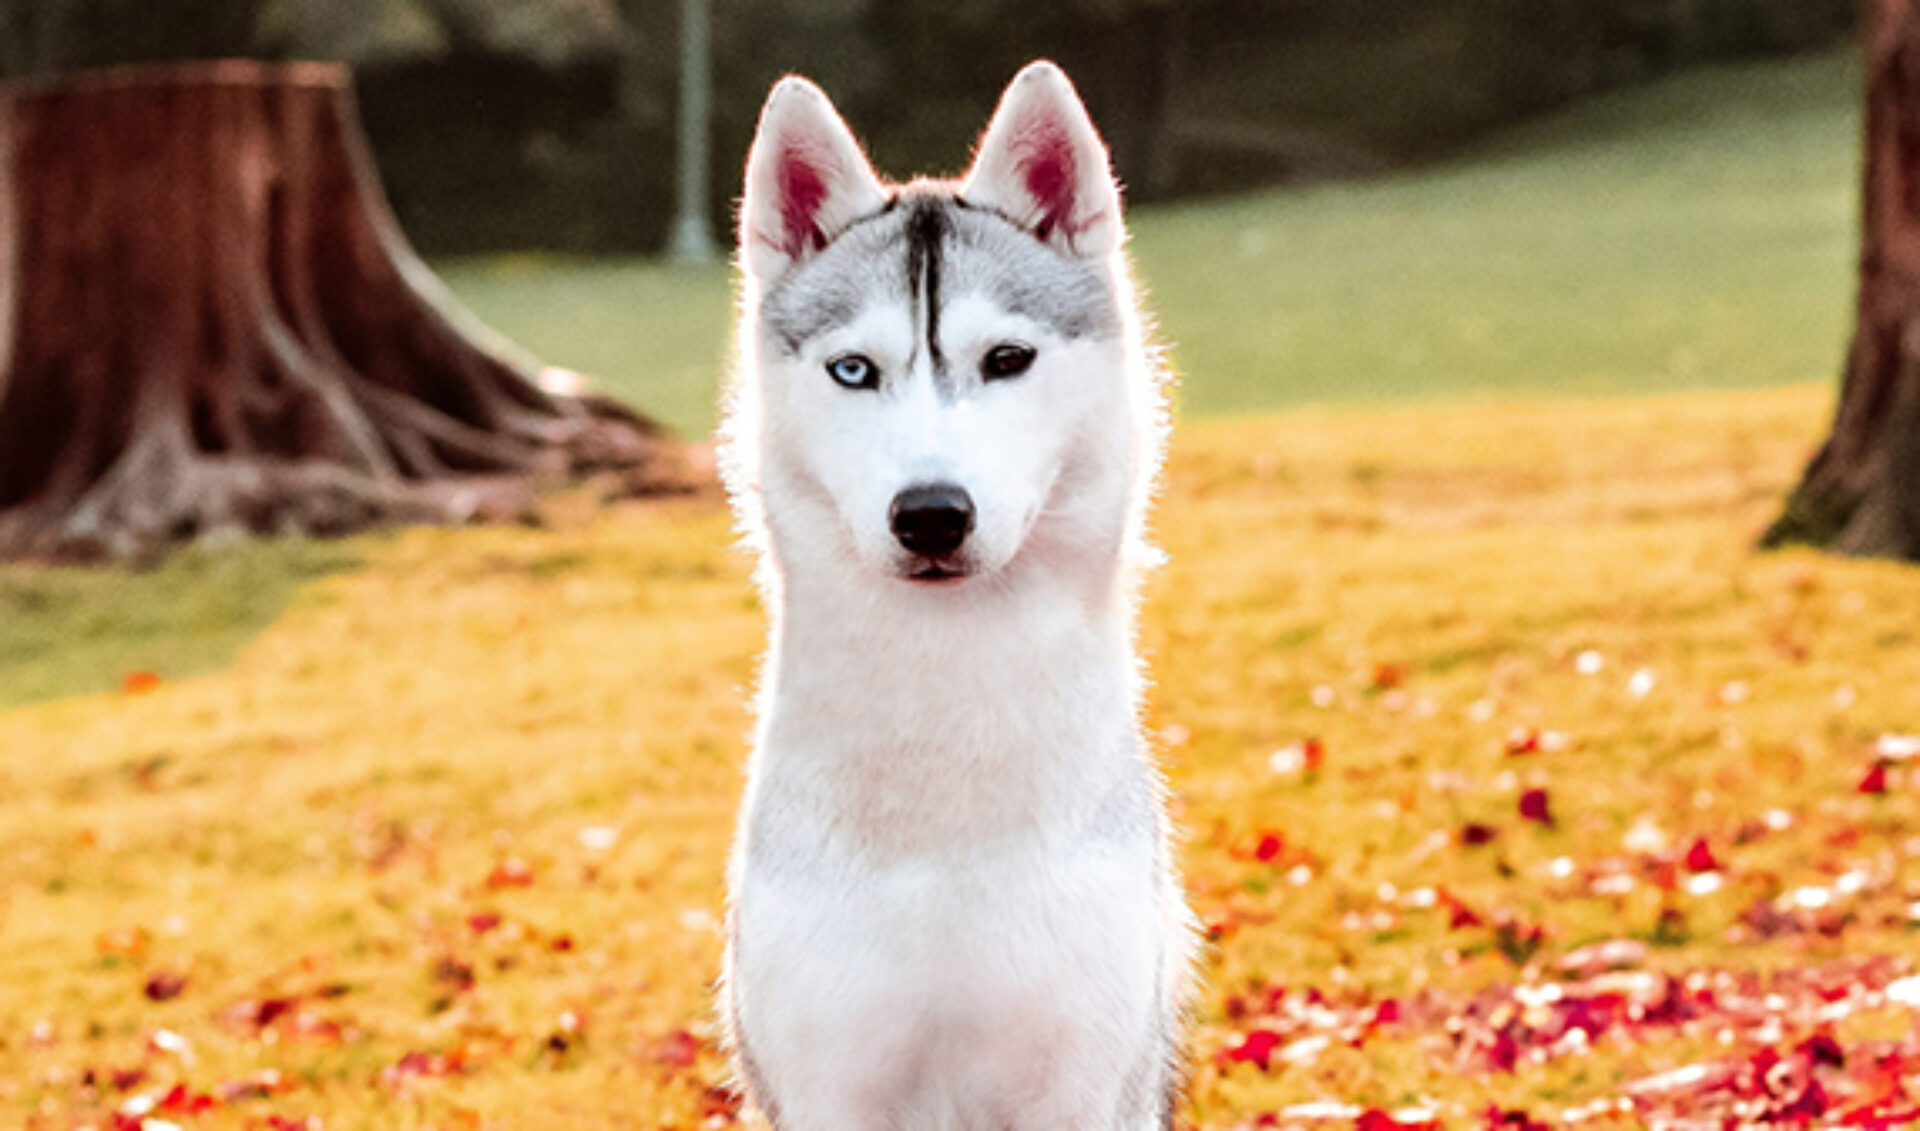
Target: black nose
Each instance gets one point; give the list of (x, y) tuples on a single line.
[(932, 519)]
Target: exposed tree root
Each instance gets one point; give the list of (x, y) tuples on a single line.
[(208, 321)]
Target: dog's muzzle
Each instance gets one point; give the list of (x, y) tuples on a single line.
[(931, 520)]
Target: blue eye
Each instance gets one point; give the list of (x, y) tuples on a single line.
[(855, 371)]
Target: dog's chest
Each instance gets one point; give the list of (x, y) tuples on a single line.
[(982, 978)]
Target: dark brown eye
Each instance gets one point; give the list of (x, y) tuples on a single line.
[(1006, 360)]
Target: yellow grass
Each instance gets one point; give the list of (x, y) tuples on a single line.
[(563, 711)]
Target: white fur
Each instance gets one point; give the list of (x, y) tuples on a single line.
[(952, 902)]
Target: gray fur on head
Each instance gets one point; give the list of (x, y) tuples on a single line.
[(928, 245)]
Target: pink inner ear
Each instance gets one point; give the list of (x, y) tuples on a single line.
[(1047, 167), (803, 192)]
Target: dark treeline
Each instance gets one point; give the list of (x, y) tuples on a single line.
[(549, 123)]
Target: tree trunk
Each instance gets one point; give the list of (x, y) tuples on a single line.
[(1136, 60), (208, 320), (1861, 494)]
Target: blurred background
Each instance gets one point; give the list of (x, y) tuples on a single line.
[(514, 124), (1333, 202)]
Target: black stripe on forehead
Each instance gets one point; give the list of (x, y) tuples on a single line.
[(927, 231)]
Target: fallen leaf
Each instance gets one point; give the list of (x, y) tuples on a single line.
[(180, 1101), (1522, 741), (679, 1050), (165, 985), (421, 1065), (1256, 1047), (511, 872)]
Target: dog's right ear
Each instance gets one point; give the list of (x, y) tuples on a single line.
[(807, 180)]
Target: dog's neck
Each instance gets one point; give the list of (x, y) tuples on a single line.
[(917, 715)]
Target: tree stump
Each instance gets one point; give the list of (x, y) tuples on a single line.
[(209, 320), (1861, 493)]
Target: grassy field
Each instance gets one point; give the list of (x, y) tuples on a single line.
[(1695, 234), (443, 847), (1518, 790)]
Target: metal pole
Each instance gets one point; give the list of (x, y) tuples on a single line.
[(692, 239)]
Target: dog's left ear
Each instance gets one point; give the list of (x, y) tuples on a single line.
[(1043, 166)]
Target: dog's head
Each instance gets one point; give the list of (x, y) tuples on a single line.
[(942, 378)]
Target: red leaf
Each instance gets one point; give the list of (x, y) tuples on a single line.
[(1374, 1119), (720, 1103), (179, 1101), (1876, 779), (1256, 1047), (1700, 857), (1314, 754), (1498, 1118), (483, 922), (1504, 1052), (267, 1012), (165, 985), (680, 1050), (450, 971), (139, 683), (1459, 915), (1821, 1048), (420, 1065), (1810, 1104), (1523, 740), (1386, 677), (1533, 806), (127, 1079), (1270, 847), (1475, 835)]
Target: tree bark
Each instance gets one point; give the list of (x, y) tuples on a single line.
[(209, 320), (1861, 493)]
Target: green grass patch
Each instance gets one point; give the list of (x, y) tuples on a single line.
[(70, 631)]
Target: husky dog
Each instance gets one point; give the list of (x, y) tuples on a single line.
[(952, 899)]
